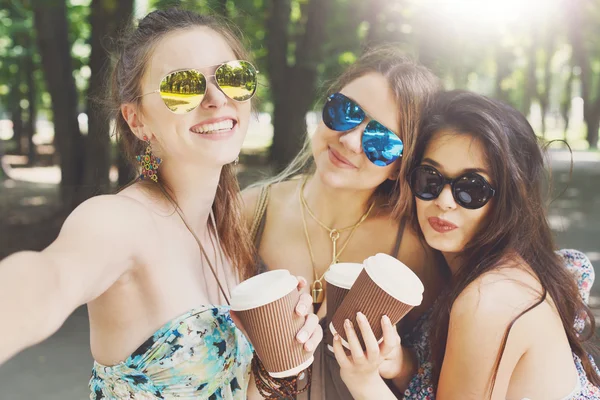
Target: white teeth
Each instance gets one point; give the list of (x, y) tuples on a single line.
[(212, 128)]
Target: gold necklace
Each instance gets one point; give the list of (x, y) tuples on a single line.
[(334, 234)]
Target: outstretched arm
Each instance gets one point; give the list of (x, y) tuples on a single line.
[(39, 290)]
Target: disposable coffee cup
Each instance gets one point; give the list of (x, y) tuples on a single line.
[(340, 278), (384, 287), (265, 305)]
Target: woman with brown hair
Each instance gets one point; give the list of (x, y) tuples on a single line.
[(155, 262), (345, 198), (506, 327)]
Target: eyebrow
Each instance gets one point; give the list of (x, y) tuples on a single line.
[(464, 171)]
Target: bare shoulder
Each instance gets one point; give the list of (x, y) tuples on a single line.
[(108, 215), (285, 192), (497, 296)]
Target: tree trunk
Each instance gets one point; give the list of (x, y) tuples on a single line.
[(107, 18), (50, 20), (544, 96), (97, 163), (531, 83), (581, 58), (293, 87), (593, 124), (565, 104), (17, 117), (31, 99), (277, 45), (502, 72)]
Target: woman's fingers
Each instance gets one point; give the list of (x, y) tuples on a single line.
[(340, 355), (304, 306), (314, 340), (358, 355), (310, 325), (391, 339), (371, 345)]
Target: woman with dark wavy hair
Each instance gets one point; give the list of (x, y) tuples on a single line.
[(505, 327)]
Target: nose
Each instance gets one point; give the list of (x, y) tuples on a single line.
[(213, 98), (352, 139), (445, 201)]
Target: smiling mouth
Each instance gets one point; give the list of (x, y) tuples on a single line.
[(341, 160), (216, 127)]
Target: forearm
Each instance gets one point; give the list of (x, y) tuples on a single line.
[(29, 302), (408, 369), (371, 388)]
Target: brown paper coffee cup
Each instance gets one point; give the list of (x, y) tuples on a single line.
[(340, 278), (265, 305), (384, 287)]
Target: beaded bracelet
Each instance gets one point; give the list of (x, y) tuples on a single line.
[(277, 388)]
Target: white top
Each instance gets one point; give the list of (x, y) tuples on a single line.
[(395, 278), (343, 275), (262, 289)]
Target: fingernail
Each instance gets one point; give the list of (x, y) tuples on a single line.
[(302, 336), (348, 324), (301, 309), (361, 317), (336, 337), (386, 320), (308, 347)]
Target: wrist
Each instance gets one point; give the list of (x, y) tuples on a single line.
[(407, 368), (366, 387)]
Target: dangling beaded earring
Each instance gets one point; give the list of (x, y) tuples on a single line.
[(236, 161), (149, 163)]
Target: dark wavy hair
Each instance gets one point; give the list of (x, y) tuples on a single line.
[(518, 216)]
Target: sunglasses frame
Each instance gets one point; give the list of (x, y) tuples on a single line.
[(206, 77), (371, 119), (451, 182)]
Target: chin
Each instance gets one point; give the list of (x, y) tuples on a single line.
[(442, 242), (332, 179)]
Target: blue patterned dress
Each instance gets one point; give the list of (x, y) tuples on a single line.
[(421, 386), (198, 355)]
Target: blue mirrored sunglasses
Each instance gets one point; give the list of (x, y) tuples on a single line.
[(381, 146)]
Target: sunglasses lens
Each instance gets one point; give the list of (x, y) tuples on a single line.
[(471, 191), (182, 91), (237, 79), (341, 113), (381, 145), (426, 183)]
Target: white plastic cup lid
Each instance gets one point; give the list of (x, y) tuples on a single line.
[(262, 289), (395, 278), (343, 275)]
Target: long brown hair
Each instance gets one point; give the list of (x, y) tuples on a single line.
[(413, 85), (518, 216), (134, 52)]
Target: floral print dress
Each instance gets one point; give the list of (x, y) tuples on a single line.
[(198, 355), (421, 386)]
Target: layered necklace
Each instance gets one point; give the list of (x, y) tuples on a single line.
[(334, 234)]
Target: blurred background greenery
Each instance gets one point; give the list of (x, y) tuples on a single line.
[(542, 56)]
